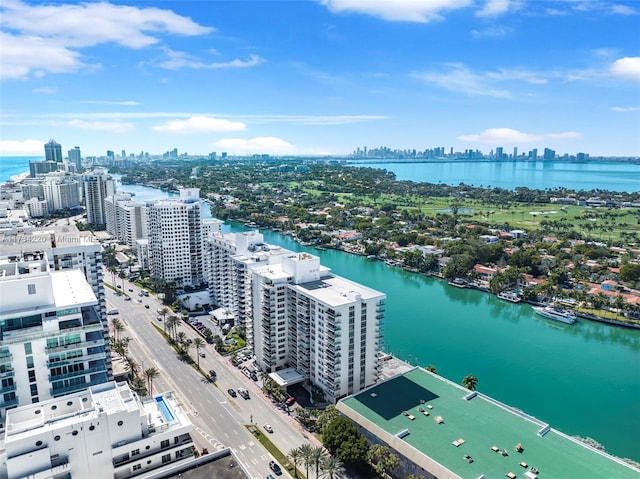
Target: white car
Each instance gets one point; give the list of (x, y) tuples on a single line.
[(268, 428)]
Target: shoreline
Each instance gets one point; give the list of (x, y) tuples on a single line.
[(391, 264)]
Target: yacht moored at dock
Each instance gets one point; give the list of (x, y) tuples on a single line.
[(563, 315), (510, 296)]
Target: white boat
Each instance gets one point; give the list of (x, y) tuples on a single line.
[(510, 296), (559, 314)]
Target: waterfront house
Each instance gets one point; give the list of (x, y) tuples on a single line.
[(485, 273)]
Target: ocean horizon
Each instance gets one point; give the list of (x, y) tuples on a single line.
[(590, 175)]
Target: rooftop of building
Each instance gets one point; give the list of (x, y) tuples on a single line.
[(221, 464), (109, 398), (45, 238), (463, 425), (70, 289), (337, 291)]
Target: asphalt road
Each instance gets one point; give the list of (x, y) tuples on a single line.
[(218, 419)]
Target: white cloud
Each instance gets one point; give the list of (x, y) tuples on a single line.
[(110, 126), (45, 38), (89, 24), (421, 11), (176, 60), (461, 79), (508, 135), (46, 90), (200, 124), (258, 145), (504, 74), (27, 54), (493, 8), (495, 31), (627, 68), (107, 102), (326, 120), (624, 109), (623, 10), (21, 147), (50, 118)]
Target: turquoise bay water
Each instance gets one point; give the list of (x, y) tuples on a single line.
[(582, 379), (589, 175)]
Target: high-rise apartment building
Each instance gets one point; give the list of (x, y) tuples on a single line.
[(97, 186), (53, 151), (52, 340), (298, 316), (126, 219), (175, 239), (75, 158), (105, 432), (549, 154), (66, 249), (42, 167), (62, 191)]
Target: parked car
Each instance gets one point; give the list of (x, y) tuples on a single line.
[(290, 400), (231, 392), (275, 467), (254, 376), (268, 428)]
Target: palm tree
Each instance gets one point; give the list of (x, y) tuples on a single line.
[(306, 450), (198, 343), (172, 323), (316, 456), (137, 386), (150, 374), (164, 312), (470, 382), (332, 467), (432, 369), (118, 327), (132, 369), (296, 456)]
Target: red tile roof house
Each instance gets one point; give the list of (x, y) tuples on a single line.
[(485, 273)]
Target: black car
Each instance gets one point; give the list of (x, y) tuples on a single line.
[(146, 306), (232, 393), (275, 468), (212, 374)]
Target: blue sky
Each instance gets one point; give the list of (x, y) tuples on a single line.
[(320, 77)]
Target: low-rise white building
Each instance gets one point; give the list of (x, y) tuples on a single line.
[(104, 432)]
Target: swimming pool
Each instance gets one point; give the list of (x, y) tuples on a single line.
[(166, 412)]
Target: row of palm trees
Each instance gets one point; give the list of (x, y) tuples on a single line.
[(120, 345), (325, 465)]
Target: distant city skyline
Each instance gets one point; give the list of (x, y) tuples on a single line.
[(320, 77)]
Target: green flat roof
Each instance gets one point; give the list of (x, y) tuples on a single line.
[(481, 422)]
